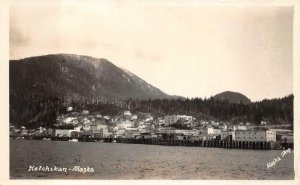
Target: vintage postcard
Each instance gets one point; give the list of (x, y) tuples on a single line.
[(151, 90)]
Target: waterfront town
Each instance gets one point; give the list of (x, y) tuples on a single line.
[(74, 126)]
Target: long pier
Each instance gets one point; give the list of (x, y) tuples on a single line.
[(201, 143), (209, 143), (187, 143)]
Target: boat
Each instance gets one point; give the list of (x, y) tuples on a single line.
[(46, 139), (73, 140), (99, 141)]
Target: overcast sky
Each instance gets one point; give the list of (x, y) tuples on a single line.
[(191, 51)]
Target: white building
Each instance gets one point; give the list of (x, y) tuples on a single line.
[(69, 109), (98, 116), (132, 129), (240, 127), (105, 132), (255, 135), (225, 127), (85, 112), (101, 126), (78, 128), (169, 120), (63, 132), (149, 119), (120, 133), (127, 113), (188, 132), (187, 118), (86, 121), (69, 120), (214, 123), (166, 130), (228, 134), (106, 117), (144, 130), (213, 131), (131, 133), (125, 124), (270, 135), (263, 122), (134, 117)]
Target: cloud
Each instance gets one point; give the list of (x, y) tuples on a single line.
[(140, 54), (17, 39), (184, 50)]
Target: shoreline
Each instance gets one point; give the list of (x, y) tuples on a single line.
[(169, 142)]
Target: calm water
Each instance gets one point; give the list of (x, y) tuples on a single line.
[(130, 161)]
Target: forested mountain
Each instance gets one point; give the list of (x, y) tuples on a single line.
[(276, 110), (77, 78), (233, 97), (32, 110)]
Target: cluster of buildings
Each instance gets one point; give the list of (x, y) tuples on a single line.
[(23, 131), (144, 125)]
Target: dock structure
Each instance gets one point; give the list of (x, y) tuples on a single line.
[(230, 144), (205, 143)]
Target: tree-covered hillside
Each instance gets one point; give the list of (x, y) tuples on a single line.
[(34, 110)]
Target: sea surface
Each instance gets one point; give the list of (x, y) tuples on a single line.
[(136, 161)]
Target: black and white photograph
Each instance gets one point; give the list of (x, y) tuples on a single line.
[(151, 90)]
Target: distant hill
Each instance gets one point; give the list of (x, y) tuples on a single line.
[(233, 97), (77, 77)]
